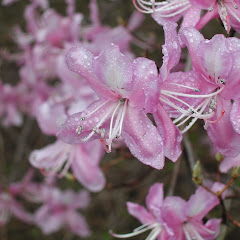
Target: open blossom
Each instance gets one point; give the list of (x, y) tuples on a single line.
[(175, 218), (127, 92), (227, 10), (57, 158), (217, 62), (59, 210)]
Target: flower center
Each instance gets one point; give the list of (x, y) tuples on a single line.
[(188, 111), (116, 115)]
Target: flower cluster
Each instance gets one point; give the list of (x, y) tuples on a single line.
[(84, 86)]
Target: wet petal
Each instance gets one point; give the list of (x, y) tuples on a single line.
[(142, 138), (145, 89), (80, 125), (80, 60), (113, 69), (171, 49), (223, 136), (203, 4), (235, 115), (170, 133)]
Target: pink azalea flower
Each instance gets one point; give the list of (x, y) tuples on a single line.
[(175, 218), (60, 209), (227, 10), (150, 217), (83, 159), (217, 61), (185, 218), (127, 92)]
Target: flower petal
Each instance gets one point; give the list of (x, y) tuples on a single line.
[(145, 85), (171, 135), (224, 138), (200, 204), (235, 115), (229, 162), (113, 69), (85, 165), (140, 213), (142, 138), (80, 60), (155, 197)]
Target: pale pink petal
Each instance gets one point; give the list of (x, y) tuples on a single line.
[(171, 50), (85, 165), (170, 133), (191, 17), (155, 197), (200, 204), (140, 213), (77, 224), (142, 138), (223, 136), (113, 69), (80, 60), (229, 162), (49, 156), (50, 116), (173, 213), (204, 4), (145, 85), (47, 221), (135, 20), (192, 38)]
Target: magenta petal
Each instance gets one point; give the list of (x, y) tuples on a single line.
[(85, 165), (171, 135), (80, 60), (200, 204), (113, 69), (142, 138), (155, 197), (225, 139), (146, 88), (140, 213), (235, 115)]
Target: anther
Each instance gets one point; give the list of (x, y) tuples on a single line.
[(83, 118), (196, 90), (122, 100), (79, 129), (210, 9), (222, 81)]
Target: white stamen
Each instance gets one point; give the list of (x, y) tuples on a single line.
[(135, 233)]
